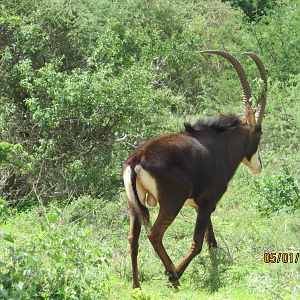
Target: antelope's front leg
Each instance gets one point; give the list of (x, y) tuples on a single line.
[(210, 238), (203, 219), (211, 243)]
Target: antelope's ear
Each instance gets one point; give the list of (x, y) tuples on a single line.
[(249, 115)]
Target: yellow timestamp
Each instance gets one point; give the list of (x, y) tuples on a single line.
[(284, 257)]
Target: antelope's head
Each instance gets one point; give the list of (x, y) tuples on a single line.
[(252, 118)]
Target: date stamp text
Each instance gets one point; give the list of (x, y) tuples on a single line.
[(281, 257)]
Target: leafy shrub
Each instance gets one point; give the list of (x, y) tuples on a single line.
[(277, 192), (277, 38), (76, 78), (82, 83), (5, 210), (138, 294), (252, 9), (57, 263), (15, 165), (13, 154)]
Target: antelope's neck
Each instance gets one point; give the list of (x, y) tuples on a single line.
[(234, 150)]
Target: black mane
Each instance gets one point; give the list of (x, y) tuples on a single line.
[(221, 123)]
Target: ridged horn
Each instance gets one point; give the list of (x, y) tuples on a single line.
[(260, 109), (240, 71)]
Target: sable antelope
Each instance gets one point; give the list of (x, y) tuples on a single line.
[(191, 168)]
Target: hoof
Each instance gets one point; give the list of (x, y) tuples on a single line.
[(136, 286), (173, 279), (213, 251), (175, 284)]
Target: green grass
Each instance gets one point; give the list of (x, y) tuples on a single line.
[(91, 230), (78, 249)]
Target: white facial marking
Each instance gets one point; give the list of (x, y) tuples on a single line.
[(254, 163)]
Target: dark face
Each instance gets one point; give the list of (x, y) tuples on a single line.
[(252, 159)]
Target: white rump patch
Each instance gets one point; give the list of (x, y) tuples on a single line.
[(254, 164), (128, 186), (146, 187)]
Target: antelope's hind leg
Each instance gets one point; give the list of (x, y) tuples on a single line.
[(156, 234), (172, 194), (133, 238)]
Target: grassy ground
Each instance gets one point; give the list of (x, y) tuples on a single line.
[(79, 250), (243, 236), (75, 236)]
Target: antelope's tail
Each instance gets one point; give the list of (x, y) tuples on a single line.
[(129, 177)]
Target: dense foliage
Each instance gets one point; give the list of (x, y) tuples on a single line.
[(253, 9), (77, 78), (82, 82)]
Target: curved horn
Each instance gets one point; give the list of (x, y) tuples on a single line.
[(263, 95), (240, 71)]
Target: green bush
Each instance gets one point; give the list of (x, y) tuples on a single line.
[(57, 263), (16, 165), (138, 294), (276, 37), (277, 192), (253, 9), (5, 210), (82, 83)]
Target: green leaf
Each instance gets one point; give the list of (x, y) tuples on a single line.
[(8, 237)]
